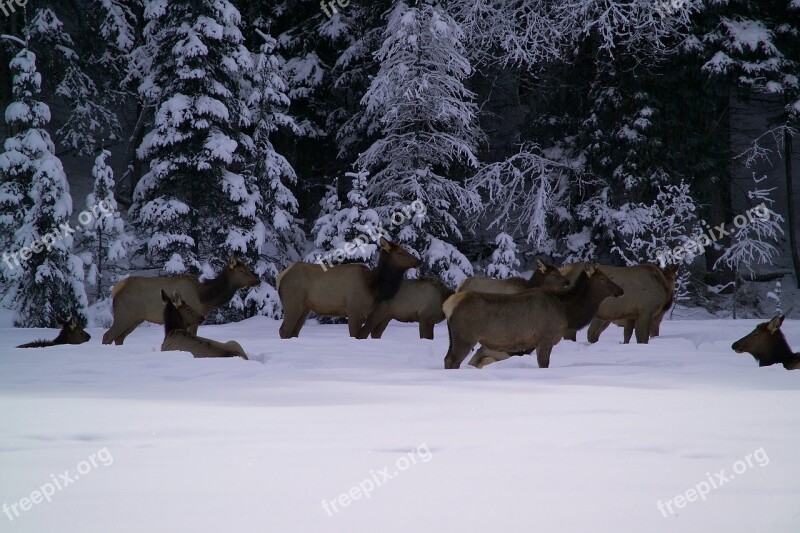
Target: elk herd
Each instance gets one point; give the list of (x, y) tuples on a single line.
[(507, 317)]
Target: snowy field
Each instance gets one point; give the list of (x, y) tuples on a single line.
[(143, 441)]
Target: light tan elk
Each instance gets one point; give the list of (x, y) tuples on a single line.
[(768, 346), (545, 275), (647, 296), (417, 300), (516, 324), (178, 317), (350, 290), (670, 273), (137, 299), (71, 333)]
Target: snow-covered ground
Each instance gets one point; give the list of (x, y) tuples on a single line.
[(144, 441)]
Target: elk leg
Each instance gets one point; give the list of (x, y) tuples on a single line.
[(291, 316), (298, 325), (457, 351), (543, 352), (425, 329), (642, 330), (354, 323), (114, 331), (629, 325), (596, 327), (380, 328), (656, 324), (484, 356), (376, 317), (120, 339)]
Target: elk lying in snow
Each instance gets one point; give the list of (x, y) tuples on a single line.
[(417, 300), (137, 299), (545, 275), (519, 323), (178, 317), (350, 290), (71, 333), (768, 346), (648, 295)]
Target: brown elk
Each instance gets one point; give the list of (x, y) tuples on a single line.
[(545, 275), (648, 294), (768, 346), (178, 317), (417, 300), (519, 323), (71, 333), (137, 299), (350, 290)]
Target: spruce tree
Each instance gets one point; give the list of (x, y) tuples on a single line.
[(189, 204), (104, 239), (424, 123), (45, 278)]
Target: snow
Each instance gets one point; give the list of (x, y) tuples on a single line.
[(590, 444)]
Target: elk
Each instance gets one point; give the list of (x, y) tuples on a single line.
[(768, 346), (516, 324), (417, 300), (71, 333), (545, 275), (350, 290), (178, 317), (670, 273), (136, 299), (647, 295)]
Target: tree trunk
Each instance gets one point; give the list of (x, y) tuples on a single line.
[(791, 218)]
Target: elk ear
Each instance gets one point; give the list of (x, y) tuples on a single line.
[(232, 261), (164, 297), (540, 264), (589, 270), (386, 245), (176, 298), (73, 323), (775, 324)]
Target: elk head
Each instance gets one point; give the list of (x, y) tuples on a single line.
[(71, 332)]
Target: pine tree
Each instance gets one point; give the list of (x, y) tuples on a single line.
[(45, 278), (104, 239), (90, 117), (425, 123), (353, 223), (270, 234), (191, 202), (504, 258)]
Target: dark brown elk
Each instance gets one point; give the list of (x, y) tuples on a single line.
[(137, 299), (178, 317), (647, 297), (71, 333), (545, 275), (417, 300), (534, 319), (768, 346), (350, 290)]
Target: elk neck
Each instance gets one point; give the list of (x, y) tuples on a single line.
[(386, 279), (217, 292)]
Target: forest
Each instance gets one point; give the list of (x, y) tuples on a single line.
[(167, 136)]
